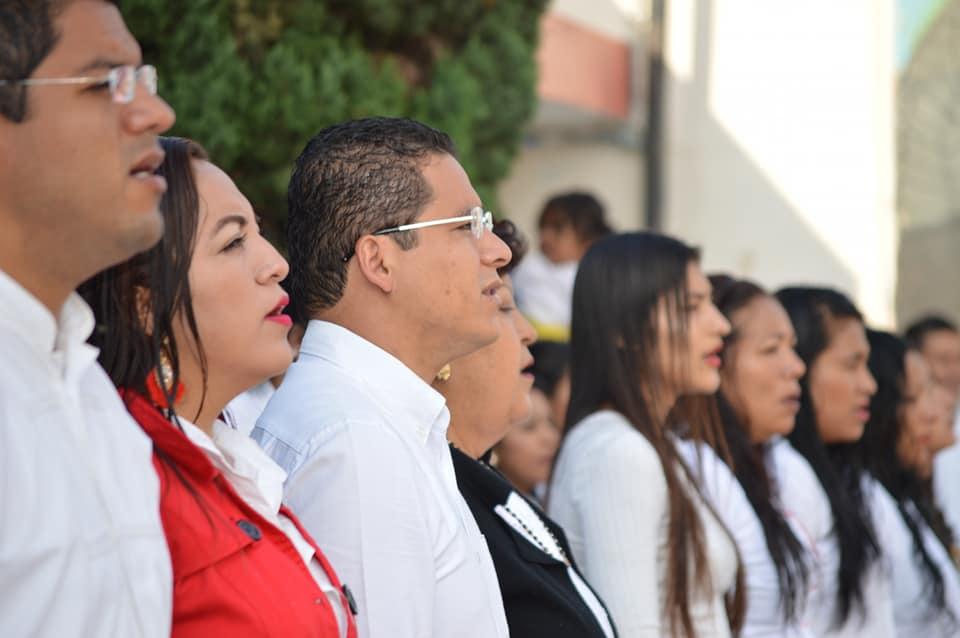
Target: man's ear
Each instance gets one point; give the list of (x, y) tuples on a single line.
[(144, 309), (374, 258)]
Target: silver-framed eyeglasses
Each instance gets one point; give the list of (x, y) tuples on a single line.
[(480, 220), (121, 80)]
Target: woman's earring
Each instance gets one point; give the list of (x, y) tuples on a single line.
[(444, 374), (160, 383)]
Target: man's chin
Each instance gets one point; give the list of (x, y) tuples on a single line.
[(144, 234), (478, 340)]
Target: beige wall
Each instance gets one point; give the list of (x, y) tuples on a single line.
[(780, 141), (612, 173)]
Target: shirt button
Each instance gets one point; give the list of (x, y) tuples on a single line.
[(249, 529)]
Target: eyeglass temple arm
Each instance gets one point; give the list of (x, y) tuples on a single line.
[(436, 222), (34, 81)]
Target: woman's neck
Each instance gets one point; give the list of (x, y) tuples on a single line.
[(201, 411), (202, 406), (469, 445)]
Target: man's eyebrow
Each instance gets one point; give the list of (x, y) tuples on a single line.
[(98, 63)]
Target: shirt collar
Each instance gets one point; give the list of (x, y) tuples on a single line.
[(61, 340), (394, 386), (248, 468)]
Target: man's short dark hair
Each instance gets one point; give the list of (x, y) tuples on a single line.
[(918, 330), (353, 179), (27, 36)]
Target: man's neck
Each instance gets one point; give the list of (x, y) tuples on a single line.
[(406, 344), (43, 286)]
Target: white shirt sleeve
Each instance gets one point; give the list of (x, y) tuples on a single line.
[(623, 504), (359, 500)]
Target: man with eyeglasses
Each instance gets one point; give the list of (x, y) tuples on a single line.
[(82, 551), (393, 260)]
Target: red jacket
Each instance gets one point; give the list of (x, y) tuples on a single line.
[(234, 573)]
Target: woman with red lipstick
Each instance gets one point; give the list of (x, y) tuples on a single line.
[(821, 481), (645, 334), (758, 401), (182, 329), (487, 393), (903, 414)]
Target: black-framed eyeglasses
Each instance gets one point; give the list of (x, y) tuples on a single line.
[(121, 80), (480, 220)]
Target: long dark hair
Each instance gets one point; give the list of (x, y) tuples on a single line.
[(749, 459), (837, 466), (878, 449), (614, 363)]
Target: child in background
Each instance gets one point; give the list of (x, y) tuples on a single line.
[(568, 225)]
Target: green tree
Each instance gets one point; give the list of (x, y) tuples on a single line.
[(253, 80)]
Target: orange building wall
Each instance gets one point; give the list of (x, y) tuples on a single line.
[(583, 68)]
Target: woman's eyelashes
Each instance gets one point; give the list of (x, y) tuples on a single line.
[(236, 243)]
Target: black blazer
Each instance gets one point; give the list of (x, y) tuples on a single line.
[(538, 596)]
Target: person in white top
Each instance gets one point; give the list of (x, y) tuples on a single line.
[(568, 224), (895, 446), (852, 590), (938, 340), (82, 551), (758, 401), (393, 262), (645, 333)]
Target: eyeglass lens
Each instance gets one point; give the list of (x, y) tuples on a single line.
[(481, 220), (123, 82)]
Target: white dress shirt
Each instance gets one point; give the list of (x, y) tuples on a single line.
[(82, 550), (912, 610), (363, 440), (806, 503), (610, 495), (764, 617)]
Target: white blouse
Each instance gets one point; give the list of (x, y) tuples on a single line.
[(806, 503), (764, 616), (911, 610), (610, 495), (259, 482)]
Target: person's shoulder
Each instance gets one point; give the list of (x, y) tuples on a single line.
[(606, 443), (606, 427), (313, 400), (710, 469), (883, 507), (799, 490), (790, 467)]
